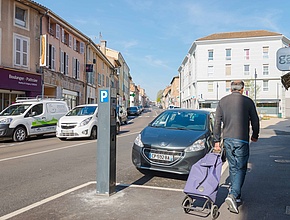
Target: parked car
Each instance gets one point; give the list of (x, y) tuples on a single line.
[(80, 122), (122, 114), (31, 116), (133, 110), (174, 141)]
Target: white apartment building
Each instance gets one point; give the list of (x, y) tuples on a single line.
[(214, 61)]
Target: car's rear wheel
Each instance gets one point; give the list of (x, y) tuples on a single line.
[(19, 134)]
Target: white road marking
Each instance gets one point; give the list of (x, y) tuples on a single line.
[(41, 152), (34, 205)]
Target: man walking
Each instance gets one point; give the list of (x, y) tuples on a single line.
[(234, 114)]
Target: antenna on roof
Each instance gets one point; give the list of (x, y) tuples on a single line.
[(100, 36)]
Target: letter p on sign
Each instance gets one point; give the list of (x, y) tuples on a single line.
[(104, 96)]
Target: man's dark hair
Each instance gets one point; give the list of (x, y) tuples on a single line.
[(237, 85)]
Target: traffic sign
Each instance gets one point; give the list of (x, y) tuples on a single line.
[(283, 59), (104, 95)]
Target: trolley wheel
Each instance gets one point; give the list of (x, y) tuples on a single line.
[(214, 211), (187, 204)]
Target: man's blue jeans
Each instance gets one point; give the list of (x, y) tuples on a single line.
[(237, 153)]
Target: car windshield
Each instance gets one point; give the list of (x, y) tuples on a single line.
[(80, 111), (187, 120), (133, 108), (15, 109)]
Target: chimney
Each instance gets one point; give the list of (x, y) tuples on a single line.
[(103, 46)]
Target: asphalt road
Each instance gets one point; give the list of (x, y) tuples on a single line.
[(42, 167)]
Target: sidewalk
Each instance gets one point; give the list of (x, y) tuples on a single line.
[(266, 191)]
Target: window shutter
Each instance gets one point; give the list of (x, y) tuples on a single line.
[(57, 35), (62, 35), (74, 67), (66, 64), (82, 47), (61, 61), (70, 41), (78, 69), (17, 51), (25, 53)]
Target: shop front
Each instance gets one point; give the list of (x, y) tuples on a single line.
[(14, 84)]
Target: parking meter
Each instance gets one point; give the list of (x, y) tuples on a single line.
[(106, 143)]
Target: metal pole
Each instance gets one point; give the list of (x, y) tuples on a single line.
[(217, 91), (255, 87)]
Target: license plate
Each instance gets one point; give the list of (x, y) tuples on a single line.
[(67, 131), (160, 157)]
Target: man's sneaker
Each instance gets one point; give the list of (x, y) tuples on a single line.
[(238, 200), (231, 202)]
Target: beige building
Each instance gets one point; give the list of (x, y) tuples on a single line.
[(43, 55), (100, 72), (123, 73), (19, 51), (174, 94)]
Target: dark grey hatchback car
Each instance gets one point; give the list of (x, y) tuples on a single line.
[(174, 141)]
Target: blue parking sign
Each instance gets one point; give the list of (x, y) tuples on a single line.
[(104, 96)]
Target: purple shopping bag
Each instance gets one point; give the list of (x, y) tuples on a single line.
[(204, 176)]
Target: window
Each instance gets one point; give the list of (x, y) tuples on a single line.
[(246, 69), (265, 52), (210, 87), (21, 16), (37, 109), (99, 79), (52, 53), (21, 48), (210, 54), (210, 70), (107, 81), (228, 86), (52, 28), (76, 68), (228, 54), (228, 69), (247, 54), (265, 85), (265, 69)]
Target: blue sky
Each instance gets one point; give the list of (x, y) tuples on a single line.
[(154, 36)]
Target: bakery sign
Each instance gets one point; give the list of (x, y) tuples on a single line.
[(283, 59)]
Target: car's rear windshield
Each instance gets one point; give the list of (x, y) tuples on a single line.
[(83, 110), (181, 120)]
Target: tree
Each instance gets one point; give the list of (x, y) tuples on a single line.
[(250, 89), (159, 96)]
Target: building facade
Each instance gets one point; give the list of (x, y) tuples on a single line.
[(214, 61), (19, 51)]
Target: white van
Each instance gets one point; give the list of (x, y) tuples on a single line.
[(31, 116), (80, 122)]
